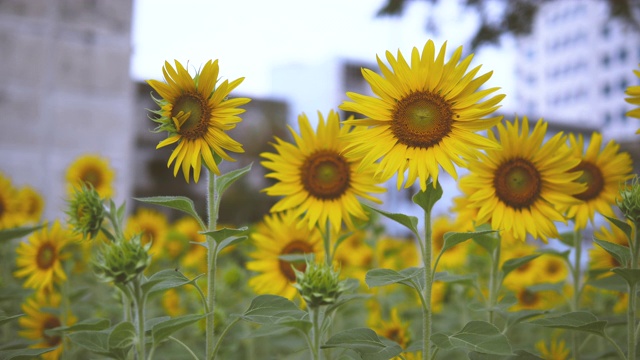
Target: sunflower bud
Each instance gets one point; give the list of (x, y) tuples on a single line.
[(629, 201), (122, 261), (319, 284), (86, 211)]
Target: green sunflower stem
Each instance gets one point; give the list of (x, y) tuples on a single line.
[(494, 282), (631, 306), (577, 286), (428, 282), (315, 342), (213, 202), (139, 301), (326, 238)]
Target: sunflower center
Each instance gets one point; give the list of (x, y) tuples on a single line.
[(552, 268), (517, 183), (421, 119), (46, 256), (592, 176), (528, 298), (191, 116), (51, 322), (92, 176), (326, 175), (294, 247)]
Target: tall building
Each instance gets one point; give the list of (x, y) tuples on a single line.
[(65, 92), (575, 65)]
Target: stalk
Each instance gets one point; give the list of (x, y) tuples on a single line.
[(428, 273), (494, 282), (213, 202), (575, 271)]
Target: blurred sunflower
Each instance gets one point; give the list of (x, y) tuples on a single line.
[(525, 274), (278, 234), (557, 350), (393, 329), (529, 299), (524, 186), (31, 204), (552, 269), (395, 253), (455, 257), (424, 115), (601, 261), (40, 257), (602, 171), (10, 215), (196, 115), (41, 315), (634, 99), (91, 169), (316, 180), (354, 257), (152, 224)]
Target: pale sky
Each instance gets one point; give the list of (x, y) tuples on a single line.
[(251, 37)]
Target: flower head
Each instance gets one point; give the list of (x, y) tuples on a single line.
[(317, 181), (10, 214), (601, 261), (122, 261), (93, 170), (152, 225), (196, 115), (424, 115), (634, 99), (31, 204), (602, 172), (86, 211), (526, 185), (629, 201), (40, 257), (319, 284)]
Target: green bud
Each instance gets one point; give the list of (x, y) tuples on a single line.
[(86, 211), (319, 284), (122, 261), (629, 201)]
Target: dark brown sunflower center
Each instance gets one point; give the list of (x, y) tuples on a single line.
[(46, 256), (51, 322), (294, 247), (421, 119), (592, 176), (517, 183), (528, 298), (552, 267), (326, 175), (394, 334), (196, 108), (92, 176)]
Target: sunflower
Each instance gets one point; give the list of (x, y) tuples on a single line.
[(634, 99), (31, 204), (455, 257), (10, 214), (39, 318), (196, 114), (92, 169), (393, 329), (526, 185), (395, 253), (40, 257), (424, 115), (152, 224), (557, 350), (602, 171), (279, 235), (525, 274), (316, 179), (600, 261)]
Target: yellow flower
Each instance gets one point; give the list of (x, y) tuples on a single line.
[(455, 257), (152, 224), (196, 114), (91, 169), (40, 257), (525, 274), (31, 204), (10, 215), (634, 99), (186, 230), (424, 115), (600, 260), (396, 254), (39, 318), (278, 235), (393, 329), (172, 303), (602, 171), (551, 269), (316, 180), (526, 185), (557, 350), (354, 257)]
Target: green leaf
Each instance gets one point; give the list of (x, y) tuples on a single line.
[(95, 324), (441, 341), (517, 317), (567, 238), (163, 330), (515, 263), (488, 241), (631, 276), (225, 180), (466, 279), (122, 336), (226, 237), (452, 239), (410, 222), (166, 279), (96, 341), (181, 203), (365, 342), (6, 319), (622, 225), (427, 199), (343, 299), (554, 252), (518, 355), (578, 320), (24, 354), (622, 254), (269, 309), (15, 233), (482, 337), (613, 283), (412, 277)]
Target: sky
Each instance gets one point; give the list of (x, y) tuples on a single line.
[(252, 37)]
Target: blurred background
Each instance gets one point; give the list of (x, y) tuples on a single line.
[(73, 76)]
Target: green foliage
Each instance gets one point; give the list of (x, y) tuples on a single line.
[(478, 336), (16, 233), (427, 199), (181, 203), (365, 342), (577, 320)]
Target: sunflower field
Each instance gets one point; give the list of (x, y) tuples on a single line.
[(538, 257)]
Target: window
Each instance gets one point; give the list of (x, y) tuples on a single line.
[(606, 60), (606, 90), (622, 54)]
